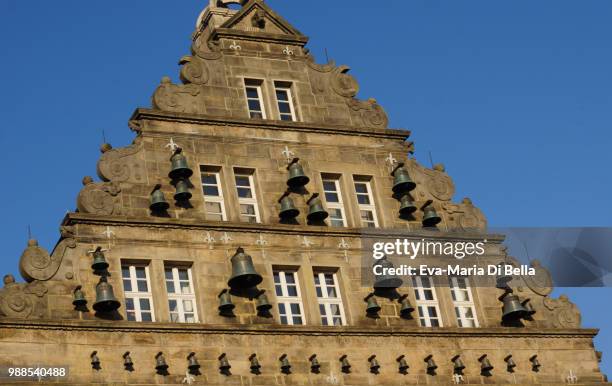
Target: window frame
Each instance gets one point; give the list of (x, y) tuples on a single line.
[(287, 87), (458, 304), (250, 174), (136, 296), (371, 207), (326, 301), (179, 297), (258, 85), (334, 205), (287, 300), (421, 301), (216, 171)]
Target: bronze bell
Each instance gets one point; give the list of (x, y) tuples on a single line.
[(158, 200), (406, 308), (95, 361), (224, 364), (372, 306), (297, 177), (512, 309), (225, 302), (384, 280), (99, 261), (458, 365), (430, 216), (127, 361), (262, 302), (431, 364), (402, 364), (315, 366), (243, 271), (510, 365), (78, 297), (402, 182), (485, 364), (285, 365), (288, 209), (345, 365), (105, 298), (160, 362), (535, 363), (374, 365), (527, 304), (255, 366), (179, 168), (316, 211), (192, 362), (407, 206), (182, 191)]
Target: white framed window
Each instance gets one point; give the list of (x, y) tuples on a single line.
[(247, 199), (214, 204), (284, 99), (333, 200), (137, 289), (181, 294), (365, 199), (463, 301), (288, 296), (254, 95), (426, 301), (330, 301)]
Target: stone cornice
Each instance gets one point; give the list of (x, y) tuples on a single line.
[(158, 115), (169, 328), (187, 224), (229, 33)]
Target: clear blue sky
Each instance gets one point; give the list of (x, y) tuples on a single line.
[(514, 97)]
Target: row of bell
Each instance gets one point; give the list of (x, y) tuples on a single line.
[(158, 199), (316, 211), (514, 309), (226, 306), (373, 308)]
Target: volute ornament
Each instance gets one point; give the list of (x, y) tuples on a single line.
[(99, 198), (18, 301), (565, 313), (465, 216), (343, 83), (36, 263), (207, 50), (193, 70), (324, 68), (541, 283), (371, 113), (439, 184), (117, 164), (176, 98)]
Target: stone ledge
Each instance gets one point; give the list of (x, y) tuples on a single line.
[(162, 222), (159, 115), (125, 326)]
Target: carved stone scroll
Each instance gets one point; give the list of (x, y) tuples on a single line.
[(22, 301), (343, 83), (194, 70), (99, 198), (565, 313), (117, 164), (37, 264), (371, 113), (176, 98), (465, 216)]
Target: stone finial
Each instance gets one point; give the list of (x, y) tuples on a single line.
[(467, 201), (87, 180), (8, 279), (32, 243), (106, 147), (439, 167)]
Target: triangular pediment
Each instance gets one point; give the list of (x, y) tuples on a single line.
[(256, 17)]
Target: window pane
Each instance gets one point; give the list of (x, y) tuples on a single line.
[(428, 294), (316, 279), (190, 318), (435, 323), (174, 318), (140, 273), (283, 319), (367, 215), (211, 191), (281, 308), (127, 285), (125, 272), (319, 292), (209, 179), (337, 321), (322, 309), (281, 95), (254, 105), (331, 197), (242, 181), (329, 279), (329, 186), (145, 304), (289, 277), (331, 292), (247, 209), (291, 290), (256, 115), (168, 273), (363, 199), (284, 108), (324, 321), (335, 309), (170, 287), (361, 188), (295, 309), (185, 288), (286, 118), (213, 207), (432, 312), (244, 192), (131, 316), (142, 286), (297, 320), (173, 305), (183, 274), (252, 92), (187, 306), (146, 317), (129, 304)]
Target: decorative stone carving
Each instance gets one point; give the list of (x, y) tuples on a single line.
[(176, 98), (310, 62), (439, 184), (343, 83), (37, 264), (565, 313), (541, 283), (465, 216), (194, 70), (99, 198), (22, 301), (117, 164), (372, 114), (207, 50), (259, 19)]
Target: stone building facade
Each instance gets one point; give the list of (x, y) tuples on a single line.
[(251, 100)]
